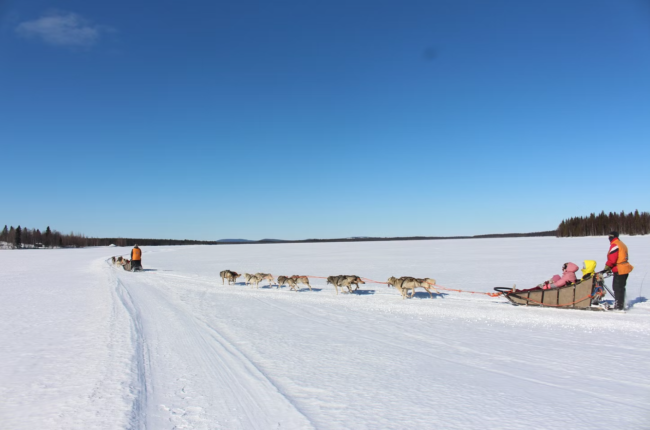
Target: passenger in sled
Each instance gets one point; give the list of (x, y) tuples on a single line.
[(588, 272), (568, 276), (588, 269)]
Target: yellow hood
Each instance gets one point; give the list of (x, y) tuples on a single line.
[(589, 267)]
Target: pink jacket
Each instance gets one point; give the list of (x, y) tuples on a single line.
[(568, 275)]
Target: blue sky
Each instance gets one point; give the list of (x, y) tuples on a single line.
[(294, 119)]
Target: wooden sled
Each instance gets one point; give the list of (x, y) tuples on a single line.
[(579, 295)]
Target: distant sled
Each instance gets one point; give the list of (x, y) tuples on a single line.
[(583, 294), (132, 266)]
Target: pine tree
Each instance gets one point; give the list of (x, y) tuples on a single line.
[(47, 240), (632, 223), (18, 238), (4, 236)]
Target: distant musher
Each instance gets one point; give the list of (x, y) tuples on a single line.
[(136, 258), (617, 263)]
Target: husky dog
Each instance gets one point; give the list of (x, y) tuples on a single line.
[(406, 283), (355, 280), (266, 276), (113, 260), (302, 280), (229, 275), (291, 282), (255, 280), (397, 283), (427, 284), (247, 277), (345, 281)]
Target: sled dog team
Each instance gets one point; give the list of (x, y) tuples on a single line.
[(119, 261), (255, 279), (403, 284), (134, 264)]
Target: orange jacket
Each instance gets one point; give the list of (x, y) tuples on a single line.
[(136, 254), (617, 258)]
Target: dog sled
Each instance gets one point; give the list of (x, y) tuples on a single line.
[(132, 266), (582, 294)]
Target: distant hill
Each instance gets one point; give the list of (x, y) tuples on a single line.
[(388, 239), (33, 238)]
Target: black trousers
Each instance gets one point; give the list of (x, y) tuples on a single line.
[(619, 290)]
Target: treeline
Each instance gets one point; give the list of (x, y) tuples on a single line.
[(33, 238), (632, 224), (20, 237)]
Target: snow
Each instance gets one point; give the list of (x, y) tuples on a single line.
[(85, 345)]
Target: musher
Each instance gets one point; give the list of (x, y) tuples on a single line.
[(136, 258), (617, 262)]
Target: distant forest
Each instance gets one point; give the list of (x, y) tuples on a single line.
[(33, 238), (632, 224)]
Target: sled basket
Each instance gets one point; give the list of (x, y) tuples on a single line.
[(578, 295)]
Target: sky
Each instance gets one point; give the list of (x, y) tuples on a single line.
[(303, 119)]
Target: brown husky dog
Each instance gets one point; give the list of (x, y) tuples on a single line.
[(406, 283), (229, 275), (345, 281), (291, 282), (302, 280)]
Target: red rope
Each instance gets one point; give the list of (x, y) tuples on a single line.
[(374, 282), (470, 292), (434, 285)]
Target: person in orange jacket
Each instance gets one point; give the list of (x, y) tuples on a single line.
[(136, 257), (617, 262)]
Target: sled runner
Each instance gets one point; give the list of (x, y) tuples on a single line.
[(583, 294)]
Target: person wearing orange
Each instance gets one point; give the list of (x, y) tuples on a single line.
[(617, 262), (136, 258)]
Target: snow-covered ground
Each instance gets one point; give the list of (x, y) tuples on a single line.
[(83, 345)]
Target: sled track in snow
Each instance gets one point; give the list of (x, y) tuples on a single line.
[(244, 387), (138, 386), (377, 338)]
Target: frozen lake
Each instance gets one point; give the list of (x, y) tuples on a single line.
[(85, 345)]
